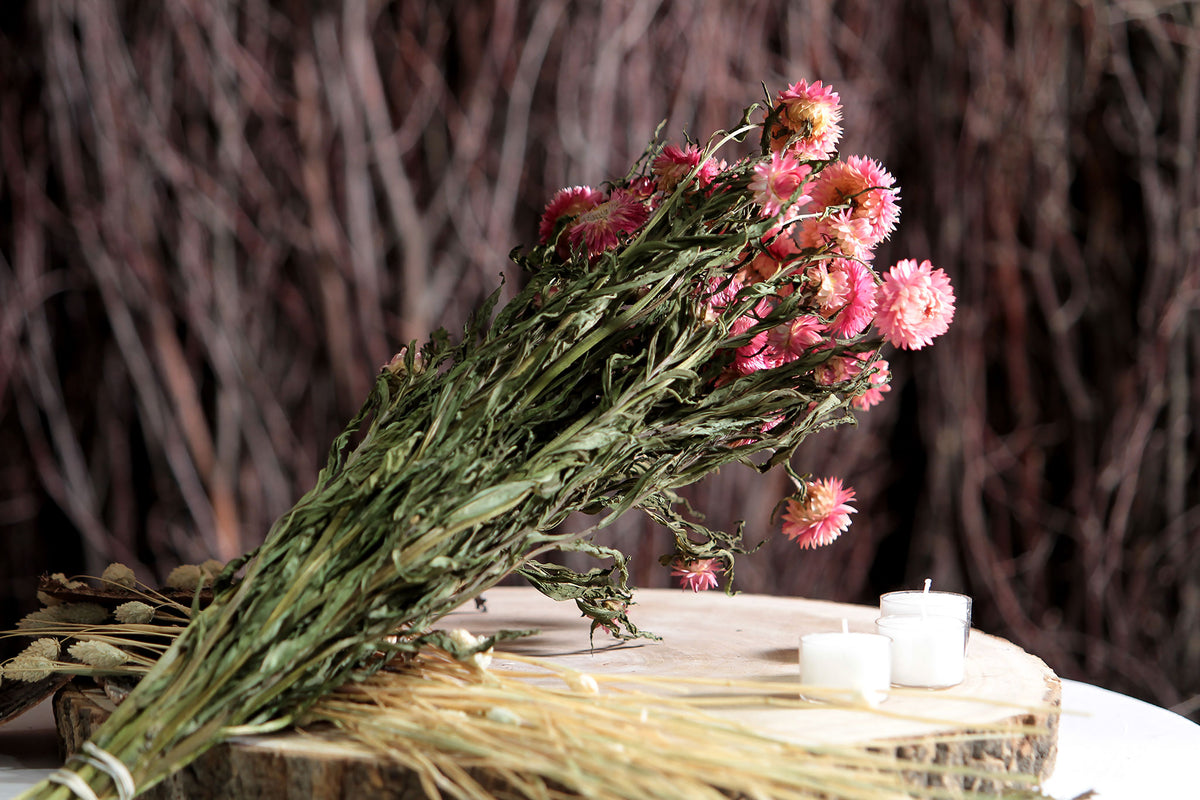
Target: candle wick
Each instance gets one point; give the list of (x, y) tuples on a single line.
[(845, 625), (928, 583)]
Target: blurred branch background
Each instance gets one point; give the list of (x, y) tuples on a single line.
[(218, 218)]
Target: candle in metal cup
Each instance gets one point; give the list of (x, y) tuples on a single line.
[(859, 662), (926, 650)]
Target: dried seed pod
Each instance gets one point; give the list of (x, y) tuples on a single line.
[(78, 613), (186, 577), (44, 648), (135, 612), (98, 654), (29, 669), (119, 574)]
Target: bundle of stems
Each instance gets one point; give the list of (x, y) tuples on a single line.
[(602, 387)]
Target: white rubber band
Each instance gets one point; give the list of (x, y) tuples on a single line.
[(115, 768), (64, 777)]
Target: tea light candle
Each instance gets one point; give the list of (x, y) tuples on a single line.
[(918, 602), (926, 650), (859, 662)]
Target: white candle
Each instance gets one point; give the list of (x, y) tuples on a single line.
[(926, 650), (947, 604), (859, 662)]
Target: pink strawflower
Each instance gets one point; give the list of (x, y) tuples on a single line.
[(916, 304), (868, 189), (779, 251), (775, 182), (569, 202), (878, 383), (811, 114), (845, 233), (758, 353), (697, 575), (836, 369), (674, 164), (642, 188), (845, 295), (792, 339), (600, 228), (717, 296), (821, 516)]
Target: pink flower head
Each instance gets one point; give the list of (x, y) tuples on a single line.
[(568, 202), (600, 228), (916, 304), (809, 118), (779, 250), (674, 164), (836, 369), (821, 516), (717, 295), (841, 230), (642, 188), (775, 182), (758, 353), (847, 297), (878, 383), (792, 339), (698, 574), (867, 188)]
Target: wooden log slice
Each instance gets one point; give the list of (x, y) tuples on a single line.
[(708, 635)]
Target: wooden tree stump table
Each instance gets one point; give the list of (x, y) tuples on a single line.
[(707, 635)]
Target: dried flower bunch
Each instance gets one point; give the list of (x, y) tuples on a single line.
[(692, 314)]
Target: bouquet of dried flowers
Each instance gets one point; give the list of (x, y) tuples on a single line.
[(692, 314)]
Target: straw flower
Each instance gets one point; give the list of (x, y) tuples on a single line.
[(849, 301), (674, 164), (569, 202), (600, 228), (867, 188), (916, 304), (879, 383), (794, 338), (776, 181), (697, 575), (840, 230), (821, 515), (812, 114)]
